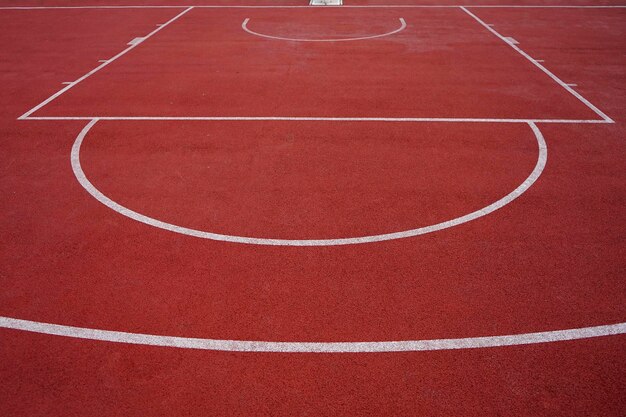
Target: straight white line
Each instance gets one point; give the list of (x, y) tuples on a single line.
[(99, 67), (164, 7), (321, 119), (311, 347), (539, 6), (371, 6), (542, 68), (480, 6)]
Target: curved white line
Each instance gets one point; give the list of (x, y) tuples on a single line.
[(91, 189), (311, 347), (244, 26)]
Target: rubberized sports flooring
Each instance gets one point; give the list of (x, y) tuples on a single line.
[(238, 208)]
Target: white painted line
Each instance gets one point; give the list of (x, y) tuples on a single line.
[(372, 6), (67, 82), (244, 26), (478, 6), (321, 119), (312, 347), (539, 60), (572, 85), (99, 67), (136, 41), (542, 68), (91, 189), (540, 6), (103, 60), (511, 40), (87, 7)]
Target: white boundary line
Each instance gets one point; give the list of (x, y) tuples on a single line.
[(542, 68), (487, 6), (311, 347), (91, 189), (104, 64), (244, 26), (370, 6)]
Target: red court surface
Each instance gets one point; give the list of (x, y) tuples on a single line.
[(389, 211)]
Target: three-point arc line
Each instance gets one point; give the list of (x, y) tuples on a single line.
[(312, 347)]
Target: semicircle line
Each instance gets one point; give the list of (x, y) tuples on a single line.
[(244, 26)]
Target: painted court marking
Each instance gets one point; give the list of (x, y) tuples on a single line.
[(605, 118), (324, 119), (541, 67), (91, 189), (80, 175), (104, 64), (245, 27), (330, 347), (311, 347), (369, 6)]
